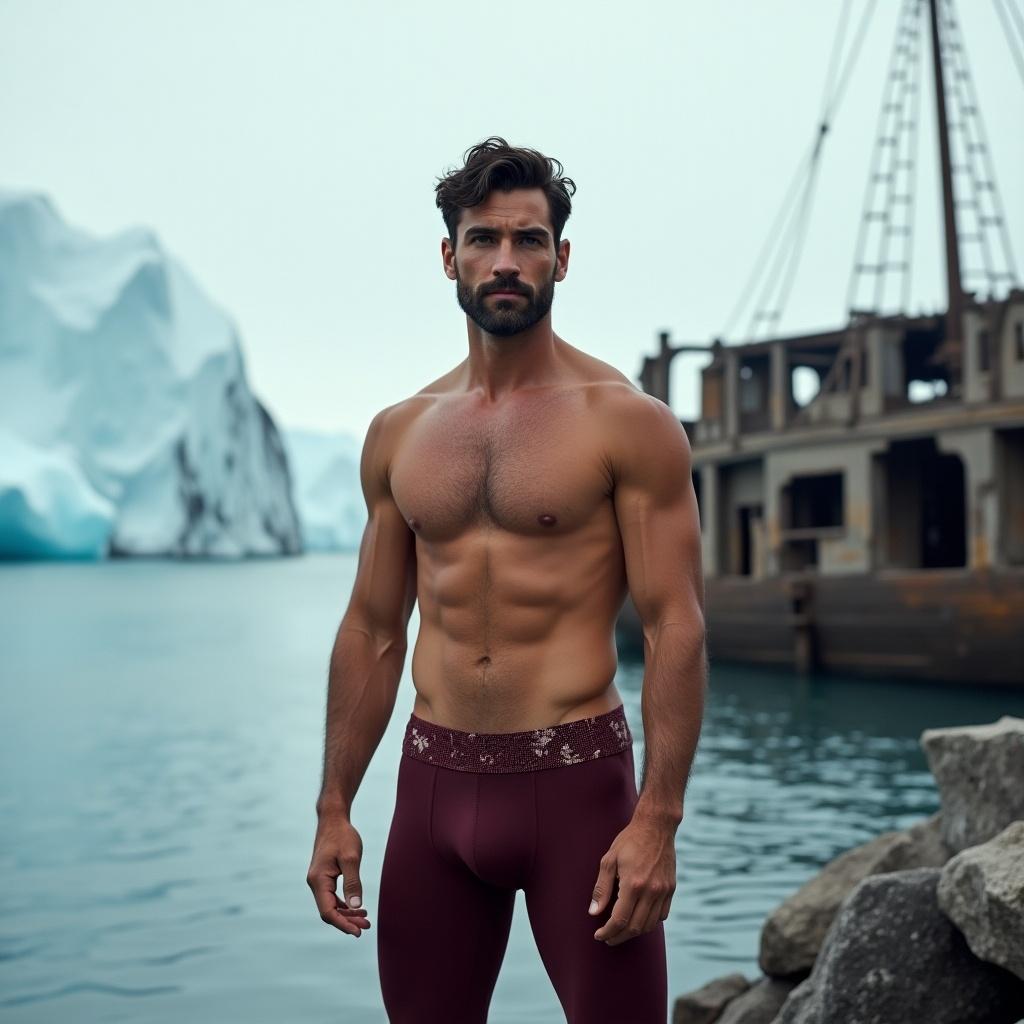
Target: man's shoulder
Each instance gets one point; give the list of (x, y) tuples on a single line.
[(622, 402), (609, 392), (636, 427), (399, 414), (390, 424)]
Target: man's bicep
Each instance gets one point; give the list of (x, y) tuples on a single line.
[(384, 591), (659, 523)]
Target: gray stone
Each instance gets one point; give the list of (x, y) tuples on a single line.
[(793, 933), (980, 773), (892, 957), (760, 1004), (981, 890), (704, 1005)]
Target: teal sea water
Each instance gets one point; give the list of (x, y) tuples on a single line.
[(160, 745)]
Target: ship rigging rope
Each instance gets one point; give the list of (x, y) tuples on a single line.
[(895, 148), (977, 160), (780, 252), (1013, 25)]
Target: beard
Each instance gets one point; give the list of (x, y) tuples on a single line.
[(505, 317)]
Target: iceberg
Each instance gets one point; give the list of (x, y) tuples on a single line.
[(47, 507), (325, 473), (127, 425)]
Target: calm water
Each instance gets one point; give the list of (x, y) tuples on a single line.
[(160, 744)]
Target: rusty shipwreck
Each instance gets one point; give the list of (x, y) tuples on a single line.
[(876, 527)]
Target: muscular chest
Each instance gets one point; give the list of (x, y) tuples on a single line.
[(533, 469)]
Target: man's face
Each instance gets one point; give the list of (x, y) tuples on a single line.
[(505, 264)]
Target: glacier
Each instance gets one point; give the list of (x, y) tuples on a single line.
[(127, 424), (325, 479)]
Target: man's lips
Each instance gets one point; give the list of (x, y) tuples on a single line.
[(505, 295)]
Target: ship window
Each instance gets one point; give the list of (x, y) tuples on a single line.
[(1018, 337), (805, 383), (751, 398), (816, 501)]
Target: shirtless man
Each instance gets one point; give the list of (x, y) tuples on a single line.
[(516, 498)]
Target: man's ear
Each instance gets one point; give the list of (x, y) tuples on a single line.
[(448, 258), (562, 257)]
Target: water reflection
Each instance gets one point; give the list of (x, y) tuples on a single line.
[(159, 760)]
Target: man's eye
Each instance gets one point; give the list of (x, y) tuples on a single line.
[(481, 238), (531, 240)]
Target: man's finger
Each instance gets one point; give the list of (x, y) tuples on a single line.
[(622, 911), (332, 911), (636, 922), (352, 887), (656, 910), (603, 887), (653, 915), (344, 919), (346, 922), (666, 907)]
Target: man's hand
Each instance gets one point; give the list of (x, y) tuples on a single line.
[(337, 850), (643, 856)]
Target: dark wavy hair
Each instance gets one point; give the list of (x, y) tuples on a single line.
[(495, 165)]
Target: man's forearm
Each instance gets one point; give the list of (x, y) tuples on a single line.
[(365, 671), (672, 704)]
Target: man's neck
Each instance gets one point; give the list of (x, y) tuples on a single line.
[(498, 365)]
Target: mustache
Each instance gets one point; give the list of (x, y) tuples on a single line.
[(505, 284)]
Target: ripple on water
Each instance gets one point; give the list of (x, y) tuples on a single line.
[(161, 960), (140, 854), (11, 950), (77, 988), (147, 894)]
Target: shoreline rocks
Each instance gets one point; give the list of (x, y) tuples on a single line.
[(923, 924), (892, 956), (979, 770), (705, 1004), (793, 933), (982, 892)]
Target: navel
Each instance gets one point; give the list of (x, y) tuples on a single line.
[(546, 519)]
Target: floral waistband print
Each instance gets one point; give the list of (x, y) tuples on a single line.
[(555, 746)]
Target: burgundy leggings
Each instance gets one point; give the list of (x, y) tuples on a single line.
[(480, 815)]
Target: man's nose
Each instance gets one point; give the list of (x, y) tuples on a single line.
[(506, 260)]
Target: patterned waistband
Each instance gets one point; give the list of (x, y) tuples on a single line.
[(552, 747)]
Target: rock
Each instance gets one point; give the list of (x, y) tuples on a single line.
[(980, 772), (981, 890), (793, 933), (892, 957), (704, 1005), (760, 1004), (927, 848)]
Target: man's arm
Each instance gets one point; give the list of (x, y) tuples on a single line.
[(656, 509), (365, 669), (660, 525)]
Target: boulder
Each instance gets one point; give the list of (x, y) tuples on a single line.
[(704, 1005), (892, 956), (793, 933), (980, 773), (981, 890), (760, 1004)]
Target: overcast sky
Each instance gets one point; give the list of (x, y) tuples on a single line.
[(287, 153)]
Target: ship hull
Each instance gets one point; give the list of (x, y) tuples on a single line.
[(956, 625)]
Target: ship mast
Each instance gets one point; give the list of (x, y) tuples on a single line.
[(954, 285)]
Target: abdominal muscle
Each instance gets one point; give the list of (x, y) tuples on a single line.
[(515, 637)]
